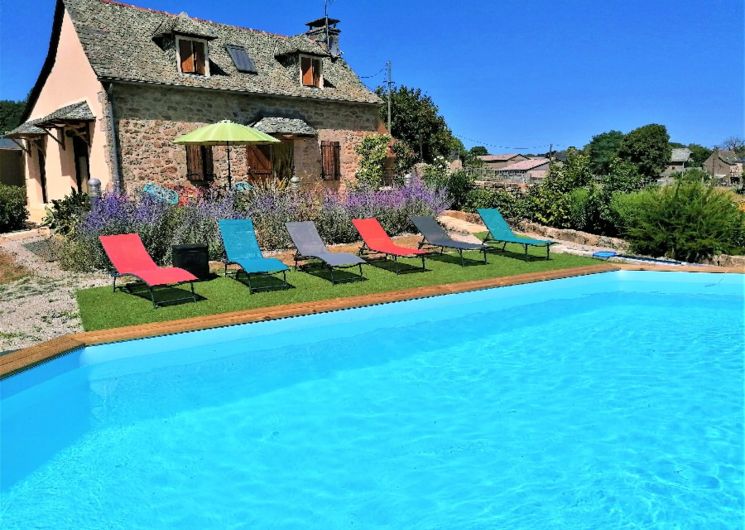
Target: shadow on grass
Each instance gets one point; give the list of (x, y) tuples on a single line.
[(528, 258), (395, 267), (165, 295), (339, 275), (263, 282), (454, 259)]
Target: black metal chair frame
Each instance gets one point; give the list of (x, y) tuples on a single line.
[(151, 288), (425, 243), (489, 239), (365, 250), (301, 257), (251, 289)]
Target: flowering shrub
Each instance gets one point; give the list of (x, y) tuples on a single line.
[(162, 225)]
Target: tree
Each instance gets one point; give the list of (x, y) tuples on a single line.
[(733, 143), (10, 114), (602, 149), (372, 152), (479, 150), (699, 154), (648, 148), (416, 120)]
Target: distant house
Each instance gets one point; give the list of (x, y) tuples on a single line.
[(725, 166), (680, 159), (11, 163), (121, 82), (530, 169), (500, 160)]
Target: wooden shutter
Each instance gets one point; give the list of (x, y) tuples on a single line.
[(194, 167), (208, 167), (199, 57), (316, 72), (330, 160), (187, 56), (306, 65), (259, 162)]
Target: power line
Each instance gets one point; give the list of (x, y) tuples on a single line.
[(512, 147), (375, 74)]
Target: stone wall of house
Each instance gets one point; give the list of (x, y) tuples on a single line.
[(149, 118)]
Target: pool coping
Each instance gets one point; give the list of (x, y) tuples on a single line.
[(19, 360)]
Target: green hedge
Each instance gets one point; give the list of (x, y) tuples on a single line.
[(13, 212)]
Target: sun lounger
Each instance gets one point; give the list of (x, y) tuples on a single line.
[(375, 239), (500, 232), (130, 258), (309, 244), (435, 235), (242, 249)]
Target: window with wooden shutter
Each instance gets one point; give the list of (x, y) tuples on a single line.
[(192, 56), (310, 69), (330, 160), (199, 165)]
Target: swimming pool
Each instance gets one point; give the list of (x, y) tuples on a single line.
[(606, 401)]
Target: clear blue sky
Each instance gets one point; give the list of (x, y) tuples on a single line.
[(506, 73)]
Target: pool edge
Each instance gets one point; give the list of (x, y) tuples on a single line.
[(25, 358)]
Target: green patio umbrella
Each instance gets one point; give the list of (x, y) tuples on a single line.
[(226, 133)]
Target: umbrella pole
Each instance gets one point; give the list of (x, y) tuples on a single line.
[(230, 183)]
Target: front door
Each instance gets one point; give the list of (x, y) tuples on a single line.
[(82, 166)]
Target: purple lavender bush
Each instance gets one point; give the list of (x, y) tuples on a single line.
[(162, 225)]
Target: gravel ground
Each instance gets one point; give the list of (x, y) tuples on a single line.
[(41, 306)]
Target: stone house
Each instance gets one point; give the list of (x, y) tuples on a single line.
[(121, 82), (499, 161), (680, 159), (725, 166), (526, 171)]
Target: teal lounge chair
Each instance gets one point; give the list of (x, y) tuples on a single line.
[(500, 232), (242, 249)]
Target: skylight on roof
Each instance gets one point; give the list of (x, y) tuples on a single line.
[(241, 59)]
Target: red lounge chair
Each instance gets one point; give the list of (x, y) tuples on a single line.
[(129, 257), (375, 239)]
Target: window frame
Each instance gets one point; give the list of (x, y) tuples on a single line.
[(205, 42), (311, 58)]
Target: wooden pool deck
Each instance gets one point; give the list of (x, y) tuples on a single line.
[(22, 359)]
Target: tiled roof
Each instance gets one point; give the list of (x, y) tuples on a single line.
[(280, 125), (728, 157), (69, 113), (118, 40), (680, 154), (498, 158), (526, 165), (183, 24)]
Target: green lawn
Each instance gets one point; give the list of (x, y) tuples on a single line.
[(100, 308)]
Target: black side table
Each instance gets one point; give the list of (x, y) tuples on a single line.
[(193, 258)]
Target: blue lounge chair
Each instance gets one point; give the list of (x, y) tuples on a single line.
[(500, 232), (242, 249)]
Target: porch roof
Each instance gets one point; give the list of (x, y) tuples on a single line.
[(73, 113), (282, 125)]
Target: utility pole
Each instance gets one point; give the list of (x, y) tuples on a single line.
[(390, 90)]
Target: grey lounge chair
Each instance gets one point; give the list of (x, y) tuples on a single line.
[(435, 235), (310, 245)]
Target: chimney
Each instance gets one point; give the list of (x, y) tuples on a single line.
[(325, 32)]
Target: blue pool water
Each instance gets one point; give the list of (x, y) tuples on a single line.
[(607, 401)]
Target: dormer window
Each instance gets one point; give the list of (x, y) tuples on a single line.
[(192, 56), (310, 71)]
